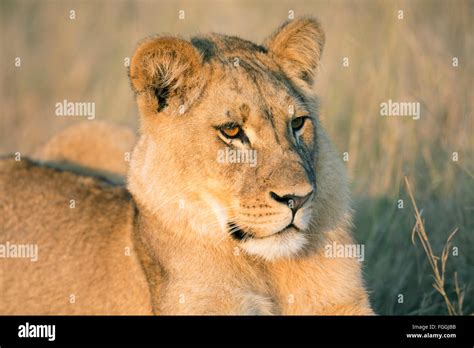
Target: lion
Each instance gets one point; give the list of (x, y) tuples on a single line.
[(98, 147), (195, 231)]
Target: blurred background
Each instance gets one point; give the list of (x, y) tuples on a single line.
[(409, 59)]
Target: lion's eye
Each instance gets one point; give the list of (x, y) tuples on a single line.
[(231, 131), (298, 123)]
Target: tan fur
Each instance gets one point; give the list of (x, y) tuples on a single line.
[(81, 250), (99, 146), (184, 259)]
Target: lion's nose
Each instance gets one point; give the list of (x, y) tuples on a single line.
[(292, 201)]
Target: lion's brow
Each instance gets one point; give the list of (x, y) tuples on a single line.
[(241, 116)]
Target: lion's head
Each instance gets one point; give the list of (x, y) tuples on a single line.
[(231, 145)]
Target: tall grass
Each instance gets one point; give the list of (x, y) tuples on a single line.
[(438, 264), (389, 58)]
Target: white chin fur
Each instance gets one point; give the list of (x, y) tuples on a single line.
[(275, 247)]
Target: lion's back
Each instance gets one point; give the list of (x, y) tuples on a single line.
[(81, 227), (99, 145)]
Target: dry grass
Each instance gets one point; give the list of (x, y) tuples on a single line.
[(438, 264), (404, 60)]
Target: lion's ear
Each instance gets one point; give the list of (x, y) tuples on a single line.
[(165, 73), (297, 46)]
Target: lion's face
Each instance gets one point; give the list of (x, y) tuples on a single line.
[(230, 137)]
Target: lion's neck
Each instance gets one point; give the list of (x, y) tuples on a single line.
[(189, 274)]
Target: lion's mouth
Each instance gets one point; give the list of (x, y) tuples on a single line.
[(237, 233), (241, 235)]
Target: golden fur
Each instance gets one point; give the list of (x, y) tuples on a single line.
[(205, 237), (98, 146)]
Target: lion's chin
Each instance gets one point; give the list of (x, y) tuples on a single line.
[(277, 246)]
